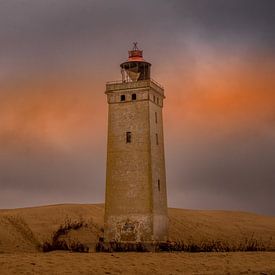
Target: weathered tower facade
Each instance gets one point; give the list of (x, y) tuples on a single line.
[(136, 199)]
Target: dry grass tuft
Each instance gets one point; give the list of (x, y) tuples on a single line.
[(246, 245), (57, 243)]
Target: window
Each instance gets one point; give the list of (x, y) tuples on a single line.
[(134, 96), (157, 100), (158, 184), (154, 99), (122, 98), (157, 139), (128, 137), (156, 117)]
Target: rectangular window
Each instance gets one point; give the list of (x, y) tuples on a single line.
[(157, 139), (128, 137), (159, 185), (122, 98), (156, 117)]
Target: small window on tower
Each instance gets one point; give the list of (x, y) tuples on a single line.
[(122, 98), (156, 117), (134, 96), (158, 184), (157, 139), (128, 137)]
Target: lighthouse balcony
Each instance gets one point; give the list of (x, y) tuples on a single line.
[(122, 85)]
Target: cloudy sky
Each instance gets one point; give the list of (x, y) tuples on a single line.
[(216, 59)]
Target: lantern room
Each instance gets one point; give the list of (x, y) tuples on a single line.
[(135, 68)]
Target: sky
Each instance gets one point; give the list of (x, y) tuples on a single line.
[(216, 60)]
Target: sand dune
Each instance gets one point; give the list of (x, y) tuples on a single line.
[(24, 229), (42, 222)]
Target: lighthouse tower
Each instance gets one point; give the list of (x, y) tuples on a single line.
[(136, 199)]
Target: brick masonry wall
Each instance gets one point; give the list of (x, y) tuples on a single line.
[(135, 207)]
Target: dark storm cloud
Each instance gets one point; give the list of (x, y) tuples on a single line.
[(45, 33), (48, 173), (53, 35), (239, 171), (222, 19), (42, 32)]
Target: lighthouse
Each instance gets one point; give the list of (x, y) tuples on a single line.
[(136, 197)]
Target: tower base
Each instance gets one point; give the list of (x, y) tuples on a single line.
[(136, 228), (132, 246)]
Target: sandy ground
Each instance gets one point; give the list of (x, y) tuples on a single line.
[(23, 230), (138, 263)]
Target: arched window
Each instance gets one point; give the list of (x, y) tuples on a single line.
[(122, 98), (134, 96)]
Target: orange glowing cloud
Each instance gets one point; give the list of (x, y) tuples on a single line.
[(221, 99), (56, 114), (235, 97)]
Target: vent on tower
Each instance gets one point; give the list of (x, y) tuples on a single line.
[(135, 68)]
